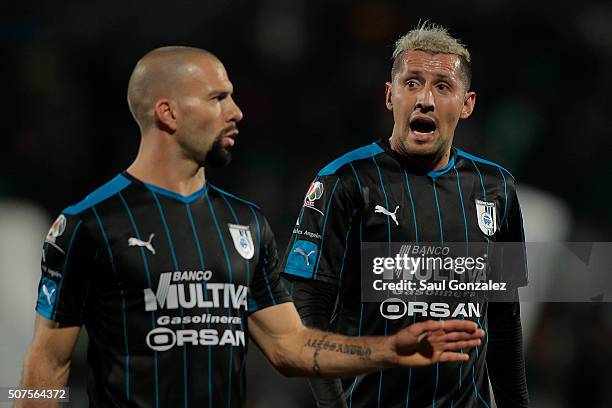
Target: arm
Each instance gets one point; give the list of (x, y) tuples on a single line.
[(315, 301), (47, 362), (63, 287), (297, 350), (505, 358)]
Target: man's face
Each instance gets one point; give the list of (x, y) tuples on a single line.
[(427, 98), (207, 127)]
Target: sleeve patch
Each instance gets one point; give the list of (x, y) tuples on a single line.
[(302, 258), (47, 296)]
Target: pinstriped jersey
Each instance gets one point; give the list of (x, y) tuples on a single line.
[(164, 285), (373, 195)]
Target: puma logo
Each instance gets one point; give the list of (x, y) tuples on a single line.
[(47, 293), (383, 210), (300, 251), (146, 244)]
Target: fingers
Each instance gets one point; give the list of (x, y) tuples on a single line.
[(462, 344), (450, 356), (456, 336), (459, 325), (439, 341), (427, 326), (443, 325)]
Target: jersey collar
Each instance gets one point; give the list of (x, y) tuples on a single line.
[(405, 162), (162, 191)]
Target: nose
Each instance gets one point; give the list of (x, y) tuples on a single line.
[(425, 100), (235, 114)]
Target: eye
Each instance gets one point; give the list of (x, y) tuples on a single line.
[(221, 96), (411, 83), (443, 87)]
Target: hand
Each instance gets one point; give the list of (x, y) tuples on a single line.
[(431, 342)]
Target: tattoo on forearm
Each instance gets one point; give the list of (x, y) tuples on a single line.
[(315, 364), (361, 352)]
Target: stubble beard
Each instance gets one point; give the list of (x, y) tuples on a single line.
[(218, 156), (423, 156)]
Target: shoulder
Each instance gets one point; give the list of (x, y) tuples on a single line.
[(99, 195), (485, 166), (343, 163), (233, 200), (242, 209), (347, 171)]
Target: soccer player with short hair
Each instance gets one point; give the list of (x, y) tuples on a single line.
[(169, 274), (413, 187)]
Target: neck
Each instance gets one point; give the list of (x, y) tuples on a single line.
[(425, 162), (161, 162)]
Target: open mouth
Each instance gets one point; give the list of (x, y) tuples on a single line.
[(422, 124), (230, 131)]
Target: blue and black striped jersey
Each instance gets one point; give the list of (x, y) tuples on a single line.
[(371, 195), (164, 285)]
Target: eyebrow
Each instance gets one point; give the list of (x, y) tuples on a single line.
[(420, 73), (219, 91)]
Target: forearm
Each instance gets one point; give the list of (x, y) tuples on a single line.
[(315, 301), (505, 359), (47, 363), (313, 353), (316, 353), (295, 349), (42, 371)]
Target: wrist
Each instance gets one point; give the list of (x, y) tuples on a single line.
[(390, 358)]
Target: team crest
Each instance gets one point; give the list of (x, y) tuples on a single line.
[(487, 217), (243, 241), (57, 229)]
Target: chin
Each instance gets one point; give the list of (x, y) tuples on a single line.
[(421, 149), (218, 158)]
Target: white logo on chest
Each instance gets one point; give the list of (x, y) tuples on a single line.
[(243, 241), (139, 243), (383, 210), (487, 217)]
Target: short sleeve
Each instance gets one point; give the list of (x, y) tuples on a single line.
[(67, 258), (267, 288), (319, 240)]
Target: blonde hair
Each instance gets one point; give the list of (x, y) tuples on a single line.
[(433, 39)]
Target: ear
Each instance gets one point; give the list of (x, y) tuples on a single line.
[(388, 94), (166, 114), (469, 100)]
